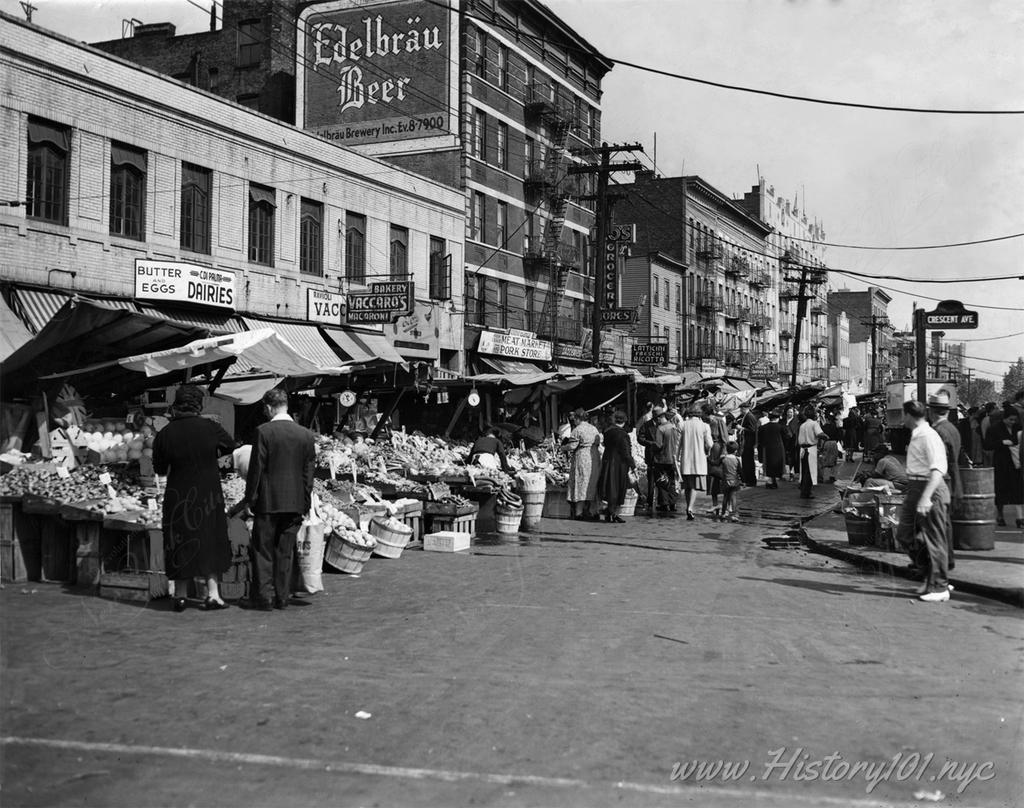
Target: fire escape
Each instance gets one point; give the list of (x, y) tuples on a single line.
[(556, 257)]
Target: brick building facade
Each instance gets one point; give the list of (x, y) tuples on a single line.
[(527, 89), (140, 167)]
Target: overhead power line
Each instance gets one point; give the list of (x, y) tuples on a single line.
[(739, 88), (917, 247), (811, 100)]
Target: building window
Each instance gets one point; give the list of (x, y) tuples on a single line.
[(196, 208), (503, 68), (531, 308), (679, 345), (47, 190), (476, 298), (501, 230), (657, 286), (213, 80), (480, 135), (127, 192), (481, 53), (249, 45), (577, 247), (250, 100), (440, 270), (476, 224), (311, 238), (502, 156), (668, 300), (502, 319), (529, 238), (355, 247), (529, 155), (679, 297), (399, 253), (262, 207)]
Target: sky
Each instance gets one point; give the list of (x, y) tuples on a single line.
[(872, 178)]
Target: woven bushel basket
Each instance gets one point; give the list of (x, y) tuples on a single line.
[(390, 541)]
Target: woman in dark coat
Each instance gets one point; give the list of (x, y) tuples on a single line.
[(998, 440), (851, 431), (790, 430), (772, 449), (616, 464), (872, 432), (195, 524)]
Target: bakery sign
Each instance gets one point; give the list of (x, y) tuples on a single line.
[(176, 282), (384, 303), (515, 344), (373, 72)]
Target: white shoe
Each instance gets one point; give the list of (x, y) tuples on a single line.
[(935, 597)]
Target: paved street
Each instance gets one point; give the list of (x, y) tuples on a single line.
[(577, 667)]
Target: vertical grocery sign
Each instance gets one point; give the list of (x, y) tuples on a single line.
[(375, 72)]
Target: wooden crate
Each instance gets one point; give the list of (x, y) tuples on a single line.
[(454, 524), (446, 542), (135, 586)]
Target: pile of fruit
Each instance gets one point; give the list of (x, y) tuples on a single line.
[(113, 441), (82, 483), (455, 500)]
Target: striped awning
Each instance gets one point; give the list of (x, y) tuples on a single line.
[(304, 338), (216, 324), (13, 333), (38, 306), (360, 346)]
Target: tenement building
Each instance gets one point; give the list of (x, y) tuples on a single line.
[(795, 247), (722, 309), (495, 98)]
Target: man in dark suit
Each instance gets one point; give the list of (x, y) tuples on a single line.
[(278, 489)]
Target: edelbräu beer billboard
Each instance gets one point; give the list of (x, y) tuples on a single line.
[(375, 72)]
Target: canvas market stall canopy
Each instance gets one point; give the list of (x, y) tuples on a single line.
[(263, 349), (87, 332)]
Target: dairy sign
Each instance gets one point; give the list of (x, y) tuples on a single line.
[(175, 282), (376, 72)]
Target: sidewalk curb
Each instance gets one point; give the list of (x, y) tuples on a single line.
[(1012, 597)]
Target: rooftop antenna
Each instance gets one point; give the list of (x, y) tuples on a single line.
[(28, 8)]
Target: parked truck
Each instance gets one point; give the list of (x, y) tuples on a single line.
[(896, 393)]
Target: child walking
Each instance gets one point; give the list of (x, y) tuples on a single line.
[(732, 481)]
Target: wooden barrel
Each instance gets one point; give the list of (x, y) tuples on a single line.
[(974, 522)]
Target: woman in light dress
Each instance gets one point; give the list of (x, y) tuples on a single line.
[(584, 447)]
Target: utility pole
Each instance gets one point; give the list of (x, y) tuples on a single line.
[(606, 250), (801, 307), (874, 322)]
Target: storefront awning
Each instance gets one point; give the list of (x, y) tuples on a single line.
[(13, 333), (360, 346), (40, 305), (262, 348), (511, 371), (85, 332), (305, 339)]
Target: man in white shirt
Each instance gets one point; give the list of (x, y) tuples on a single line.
[(808, 436), (923, 517)]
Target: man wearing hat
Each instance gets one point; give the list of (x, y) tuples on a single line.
[(647, 436), (938, 410)]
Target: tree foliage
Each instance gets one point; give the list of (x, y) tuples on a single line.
[(1013, 381), (978, 392)]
